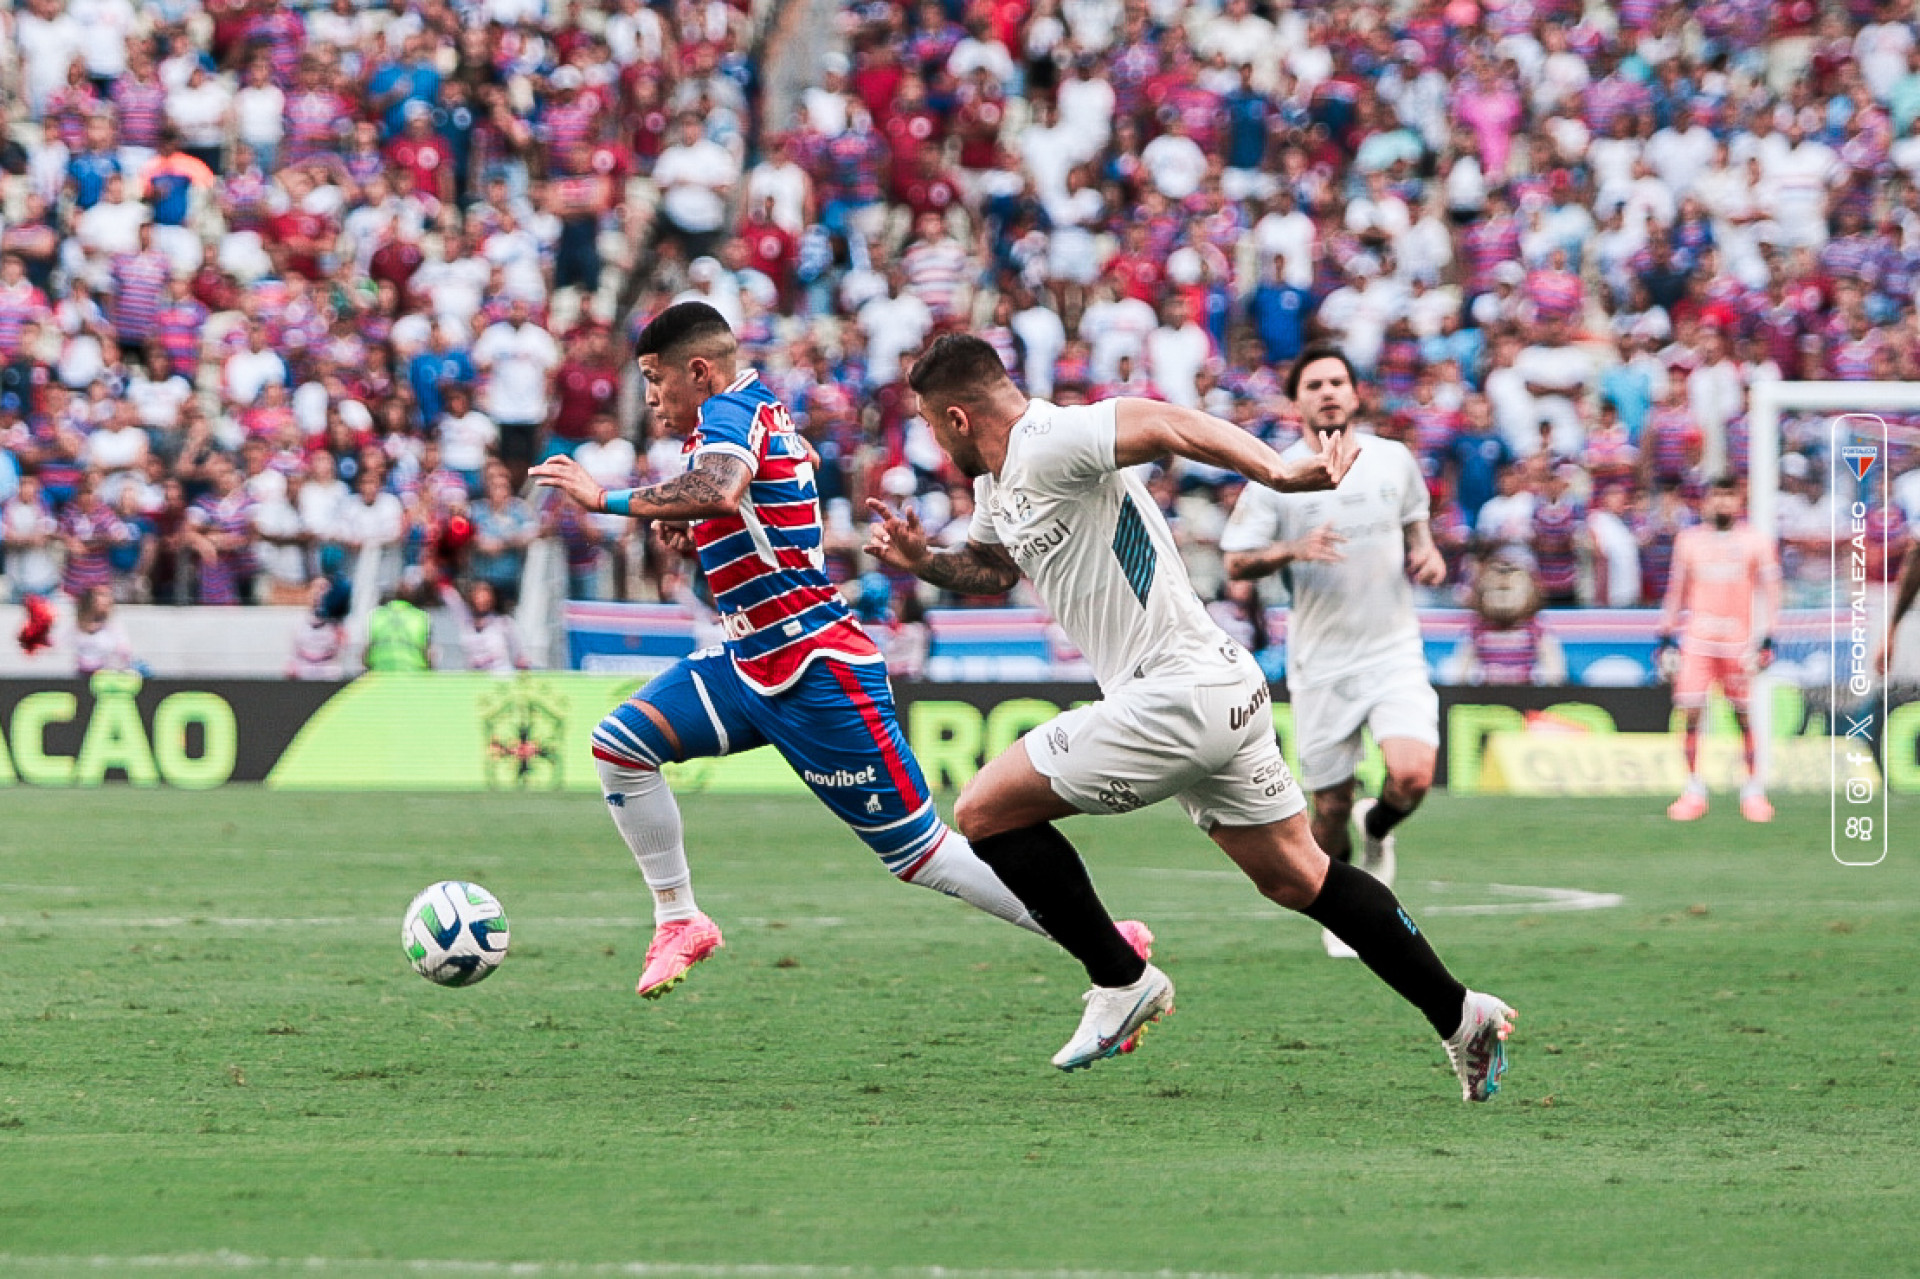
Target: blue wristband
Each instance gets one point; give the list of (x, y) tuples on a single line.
[(619, 502)]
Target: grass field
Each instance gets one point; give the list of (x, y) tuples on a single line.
[(213, 1056)]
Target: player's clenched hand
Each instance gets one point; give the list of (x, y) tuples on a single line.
[(563, 473), (896, 540), (1322, 546), (1426, 565), (677, 535)]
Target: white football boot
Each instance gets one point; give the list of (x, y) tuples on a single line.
[(1478, 1050), (1114, 1016)]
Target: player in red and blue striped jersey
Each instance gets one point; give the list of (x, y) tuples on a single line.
[(796, 673)]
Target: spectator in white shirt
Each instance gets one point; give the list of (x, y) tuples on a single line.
[(372, 521), (200, 110), (1044, 336), (779, 179), (695, 177), (1716, 395), (322, 495), (515, 357), (49, 39), (1681, 152), (1287, 233), (106, 25), (110, 227), (1506, 519), (1616, 551), (1176, 352), (826, 102), (249, 372), (1086, 102), (1049, 150), (259, 111), (1175, 161), (980, 49), (1113, 326), (894, 324), (465, 436)]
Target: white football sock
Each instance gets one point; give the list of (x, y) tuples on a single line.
[(956, 870), (648, 818)]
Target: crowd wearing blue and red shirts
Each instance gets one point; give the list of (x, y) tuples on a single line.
[(282, 284), (1561, 244)]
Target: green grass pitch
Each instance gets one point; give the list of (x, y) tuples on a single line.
[(212, 1050)]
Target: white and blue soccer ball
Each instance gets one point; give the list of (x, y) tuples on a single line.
[(454, 933)]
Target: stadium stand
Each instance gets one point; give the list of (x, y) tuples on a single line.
[(279, 285)]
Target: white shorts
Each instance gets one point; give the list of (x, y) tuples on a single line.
[(1394, 702), (1210, 747)]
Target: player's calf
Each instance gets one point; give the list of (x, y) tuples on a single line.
[(953, 868), (1332, 816), (628, 749)]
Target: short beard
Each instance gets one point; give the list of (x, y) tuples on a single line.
[(1346, 420), (1723, 522)]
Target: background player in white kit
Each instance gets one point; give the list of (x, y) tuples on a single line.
[(1354, 656), (1183, 712)]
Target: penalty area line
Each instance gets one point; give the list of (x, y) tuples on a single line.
[(235, 1261)]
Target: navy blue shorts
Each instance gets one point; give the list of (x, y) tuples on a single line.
[(836, 726)]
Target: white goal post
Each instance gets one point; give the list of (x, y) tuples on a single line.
[(1766, 402)]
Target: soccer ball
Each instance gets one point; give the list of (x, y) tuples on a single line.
[(454, 933)]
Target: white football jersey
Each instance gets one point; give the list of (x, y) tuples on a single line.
[(1097, 549), (1357, 613)]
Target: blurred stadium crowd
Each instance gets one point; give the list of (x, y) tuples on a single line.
[(282, 284)]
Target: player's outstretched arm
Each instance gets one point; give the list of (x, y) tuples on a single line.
[(974, 569), (1147, 429), (713, 487)]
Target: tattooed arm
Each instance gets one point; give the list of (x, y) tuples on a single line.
[(974, 569), (713, 487)]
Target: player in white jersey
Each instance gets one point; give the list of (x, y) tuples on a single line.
[(1354, 656), (1183, 712)]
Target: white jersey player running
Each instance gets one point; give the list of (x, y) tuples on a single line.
[(1183, 712), (1354, 656)]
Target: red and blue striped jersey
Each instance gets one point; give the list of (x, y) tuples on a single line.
[(765, 563)]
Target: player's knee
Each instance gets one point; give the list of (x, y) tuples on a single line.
[(973, 817), (1410, 784), (628, 749)]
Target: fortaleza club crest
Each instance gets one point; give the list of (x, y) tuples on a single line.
[(524, 727), (1859, 459)]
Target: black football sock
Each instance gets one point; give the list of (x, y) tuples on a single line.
[(1383, 817), (1363, 912), (1040, 867)]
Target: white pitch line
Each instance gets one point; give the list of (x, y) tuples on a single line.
[(1535, 901), (223, 1261)]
